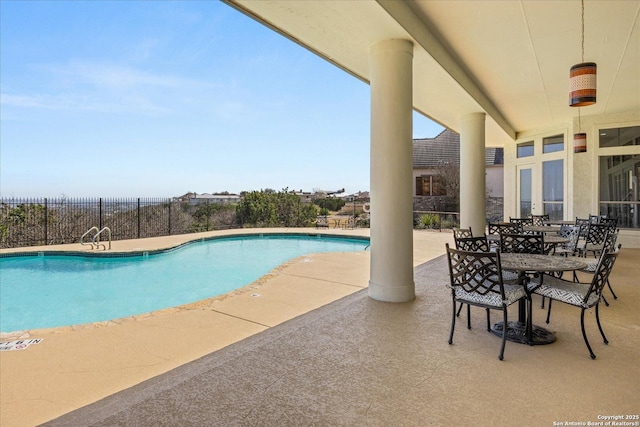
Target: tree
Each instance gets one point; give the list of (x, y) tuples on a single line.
[(330, 203), (449, 174), (268, 208)]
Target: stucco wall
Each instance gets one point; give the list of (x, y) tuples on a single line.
[(494, 179), (581, 169)]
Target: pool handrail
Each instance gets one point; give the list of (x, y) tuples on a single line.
[(95, 241), (82, 242), (96, 238)]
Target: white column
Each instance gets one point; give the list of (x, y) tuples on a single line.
[(472, 173), (391, 274)]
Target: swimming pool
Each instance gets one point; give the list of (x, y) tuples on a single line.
[(57, 290)]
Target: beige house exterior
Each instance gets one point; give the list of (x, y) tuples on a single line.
[(431, 154), (496, 73), (586, 182)]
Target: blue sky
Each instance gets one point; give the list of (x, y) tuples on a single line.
[(157, 98)]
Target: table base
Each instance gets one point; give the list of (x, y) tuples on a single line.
[(517, 332)]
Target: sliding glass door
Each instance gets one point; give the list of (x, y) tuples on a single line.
[(525, 191)]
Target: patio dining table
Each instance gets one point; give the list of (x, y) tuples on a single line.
[(541, 228), (523, 330), (552, 239), (558, 222)]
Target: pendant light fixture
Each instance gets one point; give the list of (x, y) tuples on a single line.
[(579, 139), (582, 78)]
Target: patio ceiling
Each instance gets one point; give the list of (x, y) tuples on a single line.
[(510, 59)]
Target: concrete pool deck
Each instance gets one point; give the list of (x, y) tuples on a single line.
[(351, 361), (75, 366)]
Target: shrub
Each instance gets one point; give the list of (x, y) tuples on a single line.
[(429, 221), (274, 209)]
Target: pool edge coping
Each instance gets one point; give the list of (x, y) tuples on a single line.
[(39, 251)]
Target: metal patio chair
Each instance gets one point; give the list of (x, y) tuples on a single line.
[(594, 239), (584, 224), (522, 222), (582, 295), (539, 220), (462, 232), (572, 233), (498, 228), (523, 243), (608, 246), (476, 279), (471, 244)]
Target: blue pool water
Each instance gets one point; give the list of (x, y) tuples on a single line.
[(49, 291)]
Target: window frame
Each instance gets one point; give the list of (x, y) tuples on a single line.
[(603, 206)]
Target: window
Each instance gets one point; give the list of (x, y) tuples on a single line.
[(620, 137), (619, 194), (525, 192), (525, 149), (553, 144), (553, 188), (429, 185)]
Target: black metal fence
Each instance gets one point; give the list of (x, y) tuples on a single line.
[(47, 221), (437, 212)]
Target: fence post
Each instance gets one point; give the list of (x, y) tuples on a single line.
[(100, 214), (169, 200), (208, 214), (46, 222), (138, 234)]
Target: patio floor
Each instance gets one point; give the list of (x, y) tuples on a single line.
[(246, 360)]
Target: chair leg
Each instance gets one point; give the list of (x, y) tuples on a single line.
[(584, 334), (542, 304), (611, 289), (528, 329), (459, 310), (605, 301), (468, 316), (604, 338), (453, 322), (488, 320), (504, 334), (549, 310)]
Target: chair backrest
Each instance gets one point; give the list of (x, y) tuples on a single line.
[(610, 221), (493, 228), (584, 223), (539, 220), (597, 233), (600, 277), (522, 221), (570, 232), (473, 243), (475, 272), (504, 227), (594, 219), (523, 243), (462, 232), (610, 241)]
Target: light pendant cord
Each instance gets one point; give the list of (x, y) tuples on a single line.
[(582, 32), (579, 125)]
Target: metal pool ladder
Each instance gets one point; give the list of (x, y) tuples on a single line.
[(95, 241)]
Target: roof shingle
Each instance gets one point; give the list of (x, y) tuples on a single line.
[(444, 149)]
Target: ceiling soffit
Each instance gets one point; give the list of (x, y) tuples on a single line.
[(509, 59)]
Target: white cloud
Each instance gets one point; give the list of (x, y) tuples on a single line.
[(108, 75), (104, 87), (77, 102)]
